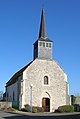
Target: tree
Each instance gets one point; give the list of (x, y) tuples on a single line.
[(73, 98)]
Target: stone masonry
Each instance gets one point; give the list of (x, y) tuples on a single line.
[(56, 90)]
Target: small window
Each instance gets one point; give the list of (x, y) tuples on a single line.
[(43, 44), (50, 45), (40, 44), (46, 44), (46, 80)]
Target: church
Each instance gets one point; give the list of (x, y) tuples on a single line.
[(42, 82)]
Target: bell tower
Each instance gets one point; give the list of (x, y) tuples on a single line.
[(43, 46)]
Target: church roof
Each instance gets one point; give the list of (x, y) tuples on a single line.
[(42, 31), (14, 78), (46, 40)]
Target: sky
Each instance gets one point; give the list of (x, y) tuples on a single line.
[(19, 29)]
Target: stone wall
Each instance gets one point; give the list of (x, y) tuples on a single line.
[(56, 90), (10, 90), (5, 105), (13, 92)]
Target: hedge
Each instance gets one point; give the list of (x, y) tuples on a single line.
[(66, 108)]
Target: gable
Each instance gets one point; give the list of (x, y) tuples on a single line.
[(45, 67)]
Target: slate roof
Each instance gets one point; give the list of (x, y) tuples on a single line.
[(14, 78), (46, 39), (42, 31)]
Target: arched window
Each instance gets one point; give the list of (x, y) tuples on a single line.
[(45, 80)]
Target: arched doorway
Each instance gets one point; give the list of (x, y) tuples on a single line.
[(46, 104)]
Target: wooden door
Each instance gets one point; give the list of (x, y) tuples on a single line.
[(46, 104)]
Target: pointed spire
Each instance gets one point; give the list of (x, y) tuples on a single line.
[(42, 32)]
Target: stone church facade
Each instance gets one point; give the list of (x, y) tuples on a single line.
[(42, 82)]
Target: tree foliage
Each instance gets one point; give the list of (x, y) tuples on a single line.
[(73, 98)]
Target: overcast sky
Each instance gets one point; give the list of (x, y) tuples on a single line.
[(19, 29)]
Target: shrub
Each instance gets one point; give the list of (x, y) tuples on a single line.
[(35, 109), (10, 109), (65, 108), (39, 109), (27, 108), (24, 110)]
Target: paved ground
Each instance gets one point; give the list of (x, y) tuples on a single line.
[(4, 115)]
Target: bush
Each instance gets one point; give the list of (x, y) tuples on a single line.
[(65, 108), (35, 109), (39, 109), (24, 110), (10, 109), (27, 108)]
